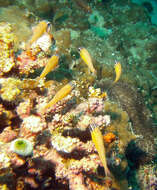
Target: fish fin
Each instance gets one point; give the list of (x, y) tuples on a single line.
[(92, 127)]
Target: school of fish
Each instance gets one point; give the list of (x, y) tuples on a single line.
[(96, 134)]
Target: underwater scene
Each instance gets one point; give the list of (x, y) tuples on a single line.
[(78, 94)]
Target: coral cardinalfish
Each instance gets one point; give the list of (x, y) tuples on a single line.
[(97, 139), (84, 54), (62, 93), (50, 66), (38, 31), (118, 71)]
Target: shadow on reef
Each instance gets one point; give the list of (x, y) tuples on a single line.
[(131, 101), (34, 174), (134, 154)]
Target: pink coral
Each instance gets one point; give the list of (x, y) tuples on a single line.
[(96, 104), (76, 182), (8, 135), (31, 126), (26, 64), (24, 109), (16, 161)]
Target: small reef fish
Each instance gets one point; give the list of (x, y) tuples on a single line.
[(50, 66), (62, 93), (84, 54), (118, 71), (97, 139), (38, 31)]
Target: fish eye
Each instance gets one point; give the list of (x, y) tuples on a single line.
[(79, 49), (116, 62), (48, 24), (49, 27)]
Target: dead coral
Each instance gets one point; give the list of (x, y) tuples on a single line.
[(32, 126), (10, 88), (7, 40), (24, 108), (13, 89), (27, 63)]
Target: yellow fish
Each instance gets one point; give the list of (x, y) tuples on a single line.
[(62, 93), (51, 65), (38, 31), (97, 139), (84, 54), (118, 71)]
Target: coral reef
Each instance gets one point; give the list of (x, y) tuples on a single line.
[(70, 140), (5, 117), (53, 111), (147, 177), (10, 88), (7, 39), (20, 29), (140, 117)]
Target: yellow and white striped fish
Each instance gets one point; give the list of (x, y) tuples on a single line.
[(50, 66), (84, 54), (97, 139), (118, 71), (62, 93)]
